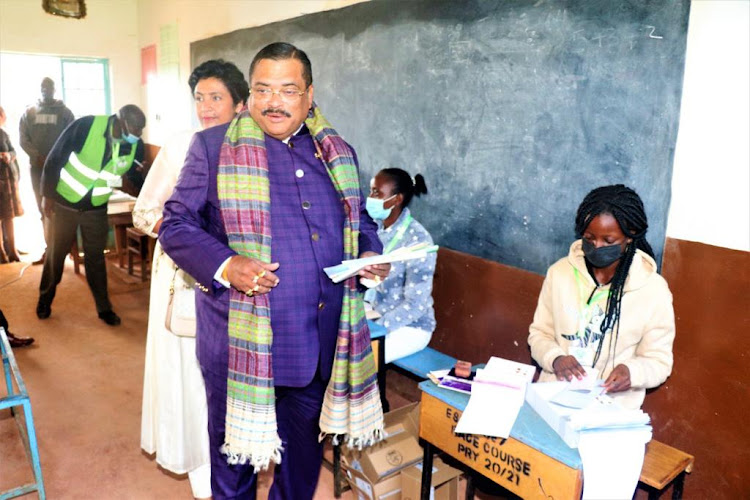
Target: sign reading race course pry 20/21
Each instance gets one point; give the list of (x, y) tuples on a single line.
[(511, 464)]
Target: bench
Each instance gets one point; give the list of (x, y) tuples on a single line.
[(423, 362), (25, 425)]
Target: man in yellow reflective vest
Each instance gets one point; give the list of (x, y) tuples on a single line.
[(85, 164)]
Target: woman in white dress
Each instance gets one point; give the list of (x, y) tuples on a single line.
[(174, 418)]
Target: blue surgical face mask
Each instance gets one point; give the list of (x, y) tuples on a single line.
[(132, 139), (375, 208)]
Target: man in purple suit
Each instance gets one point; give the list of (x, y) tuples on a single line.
[(307, 218)]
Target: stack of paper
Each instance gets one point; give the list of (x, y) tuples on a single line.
[(349, 268), (497, 394), (569, 410)]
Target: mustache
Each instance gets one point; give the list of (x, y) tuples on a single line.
[(276, 111)]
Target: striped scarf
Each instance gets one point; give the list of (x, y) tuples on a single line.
[(351, 407)]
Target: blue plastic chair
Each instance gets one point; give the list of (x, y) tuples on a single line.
[(28, 434)]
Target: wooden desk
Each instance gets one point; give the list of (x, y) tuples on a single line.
[(533, 463), (120, 217)]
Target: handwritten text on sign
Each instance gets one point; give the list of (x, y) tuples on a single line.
[(512, 464), (494, 457)]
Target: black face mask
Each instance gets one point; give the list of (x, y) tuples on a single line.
[(602, 256)]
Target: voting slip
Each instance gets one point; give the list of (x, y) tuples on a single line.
[(349, 268), (497, 394)]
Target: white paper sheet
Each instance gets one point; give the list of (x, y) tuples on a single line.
[(492, 410), (612, 462), (497, 394), (508, 372), (576, 398), (349, 268)]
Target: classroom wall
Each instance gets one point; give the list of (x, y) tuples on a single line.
[(711, 173), (109, 30)]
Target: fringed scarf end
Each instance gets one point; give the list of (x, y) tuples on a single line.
[(364, 441), (259, 461), (336, 439), (359, 442)]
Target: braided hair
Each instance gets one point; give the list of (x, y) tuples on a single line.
[(626, 207), (404, 184)]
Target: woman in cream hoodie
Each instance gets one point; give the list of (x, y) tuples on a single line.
[(604, 305)]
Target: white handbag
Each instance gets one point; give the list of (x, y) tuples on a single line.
[(181, 307)]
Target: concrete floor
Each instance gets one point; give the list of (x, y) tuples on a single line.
[(85, 380)]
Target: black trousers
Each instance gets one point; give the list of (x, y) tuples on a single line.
[(36, 185), (62, 229)]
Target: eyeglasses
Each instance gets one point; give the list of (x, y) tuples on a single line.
[(287, 95)]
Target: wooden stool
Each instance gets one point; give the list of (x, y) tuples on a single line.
[(138, 246)]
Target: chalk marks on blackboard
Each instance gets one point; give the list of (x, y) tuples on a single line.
[(651, 34)]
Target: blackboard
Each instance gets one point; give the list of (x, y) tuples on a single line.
[(512, 110)]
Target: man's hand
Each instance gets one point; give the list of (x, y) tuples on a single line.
[(618, 380), (143, 167), (376, 272), (567, 367), (48, 206), (5, 157), (251, 276)]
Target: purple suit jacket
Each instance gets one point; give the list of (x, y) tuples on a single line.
[(193, 235)]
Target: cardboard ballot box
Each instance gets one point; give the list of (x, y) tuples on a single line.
[(363, 488), (374, 472), (444, 481)]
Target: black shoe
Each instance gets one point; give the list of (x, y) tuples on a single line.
[(43, 310), (110, 318), (19, 341)]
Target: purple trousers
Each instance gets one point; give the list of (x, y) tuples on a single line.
[(297, 414)]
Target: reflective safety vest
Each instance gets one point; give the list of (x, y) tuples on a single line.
[(83, 172)]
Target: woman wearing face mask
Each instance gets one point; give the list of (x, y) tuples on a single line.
[(604, 307), (404, 299), (174, 422)]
